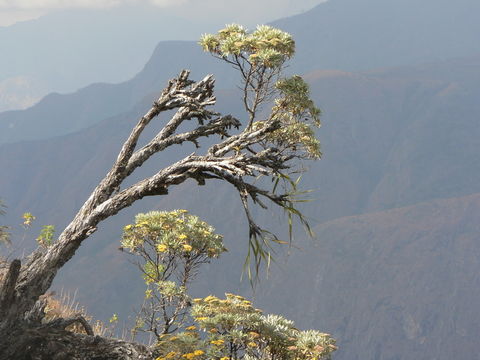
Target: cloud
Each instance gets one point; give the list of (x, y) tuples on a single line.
[(168, 3), (10, 17), (65, 4), (219, 5), (57, 4), (248, 12)]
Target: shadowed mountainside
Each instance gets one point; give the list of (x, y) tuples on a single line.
[(393, 284), (397, 284), (388, 141), (359, 35)]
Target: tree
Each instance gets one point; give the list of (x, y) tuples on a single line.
[(267, 146)]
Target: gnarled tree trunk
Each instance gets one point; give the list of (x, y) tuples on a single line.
[(238, 159)]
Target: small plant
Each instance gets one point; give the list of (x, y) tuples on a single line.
[(232, 328), (28, 219), (171, 245), (45, 239)]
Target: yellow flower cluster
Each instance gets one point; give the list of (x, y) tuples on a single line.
[(170, 355), (148, 293), (193, 355), (188, 356), (217, 342), (162, 248)]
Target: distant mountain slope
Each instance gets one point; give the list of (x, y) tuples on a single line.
[(388, 141), (394, 140), (400, 284), (339, 34), (358, 35), (62, 114), (69, 49)]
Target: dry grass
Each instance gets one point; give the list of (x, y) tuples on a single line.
[(65, 305)]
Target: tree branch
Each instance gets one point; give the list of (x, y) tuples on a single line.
[(64, 323)]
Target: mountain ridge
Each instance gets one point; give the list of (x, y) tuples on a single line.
[(324, 39)]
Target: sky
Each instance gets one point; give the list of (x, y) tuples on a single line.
[(245, 11)]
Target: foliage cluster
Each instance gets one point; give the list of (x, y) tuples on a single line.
[(285, 132), (170, 247), (260, 57)]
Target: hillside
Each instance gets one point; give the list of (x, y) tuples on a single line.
[(357, 35), (397, 284), (388, 141)]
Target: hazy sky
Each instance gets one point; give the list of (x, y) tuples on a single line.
[(245, 11)]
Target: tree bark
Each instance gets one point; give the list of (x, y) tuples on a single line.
[(49, 343)]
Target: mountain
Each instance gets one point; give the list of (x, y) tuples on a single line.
[(347, 35), (388, 141), (60, 114), (357, 35), (66, 50), (393, 272), (396, 284)]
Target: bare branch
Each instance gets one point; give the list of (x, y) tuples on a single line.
[(191, 103), (64, 323), (217, 126)]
